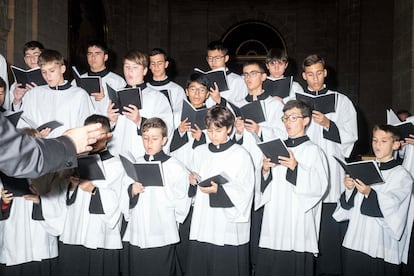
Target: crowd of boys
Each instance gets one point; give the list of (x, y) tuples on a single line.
[(298, 215)]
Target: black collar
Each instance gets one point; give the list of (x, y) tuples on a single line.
[(61, 87), (387, 165), (320, 92), (221, 147), (2, 109), (228, 72), (105, 155), (160, 83), (293, 142), (160, 156), (260, 97), (101, 74), (141, 86)]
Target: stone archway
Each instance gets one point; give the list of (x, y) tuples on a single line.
[(251, 40)]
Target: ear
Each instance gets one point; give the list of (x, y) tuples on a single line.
[(145, 71), (186, 92), (229, 130), (264, 76), (306, 121), (105, 57), (63, 68), (166, 64), (396, 145), (267, 66), (226, 58), (164, 140), (325, 73), (304, 75)]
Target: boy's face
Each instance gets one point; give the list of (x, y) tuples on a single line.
[(276, 68), (315, 76), (102, 140), (218, 135), (197, 94), (294, 122), (216, 59), (253, 77), (31, 57), (383, 145), (134, 73), (2, 96), (96, 58), (158, 65), (153, 140), (52, 72)]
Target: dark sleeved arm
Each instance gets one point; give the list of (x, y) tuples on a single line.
[(370, 206), (24, 156), (333, 133)]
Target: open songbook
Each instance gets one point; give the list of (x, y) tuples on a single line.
[(278, 87), (219, 179), (325, 103), (366, 171), (124, 97), (252, 111), (51, 124), (273, 149), (216, 76), (91, 84), (405, 128), (195, 116), (16, 186), (27, 76), (90, 167), (147, 173)]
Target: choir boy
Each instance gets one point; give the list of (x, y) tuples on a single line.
[(292, 194), (335, 133), (220, 225), (380, 215), (153, 212)]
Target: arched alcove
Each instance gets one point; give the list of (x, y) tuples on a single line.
[(251, 40)]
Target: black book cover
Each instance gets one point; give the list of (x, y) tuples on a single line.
[(16, 186), (91, 84), (325, 103), (216, 76), (52, 125), (251, 111), (279, 87), (219, 179), (125, 97), (195, 116), (89, 169), (273, 149), (147, 173), (27, 76), (366, 171)]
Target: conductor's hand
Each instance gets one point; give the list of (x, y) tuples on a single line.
[(84, 136)]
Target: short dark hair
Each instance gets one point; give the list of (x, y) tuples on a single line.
[(276, 54), (219, 116), (31, 45), (158, 51), (217, 45), (155, 122), (255, 62), (311, 60), (303, 106), (49, 55), (395, 133), (96, 118), (99, 44), (198, 77)]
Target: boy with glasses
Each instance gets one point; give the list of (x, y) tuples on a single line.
[(217, 57), (292, 200)]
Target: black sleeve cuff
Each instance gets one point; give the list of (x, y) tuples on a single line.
[(95, 206), (347, 205), (332, 134), (133, 200), (220, 199), (71, 200), (37, 213), (291, 176), (370, 206), (222, 102), (6, 213), (200, 142), (140, 127), (265, 182), (192, 190), (177, 141), (239, 142)]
